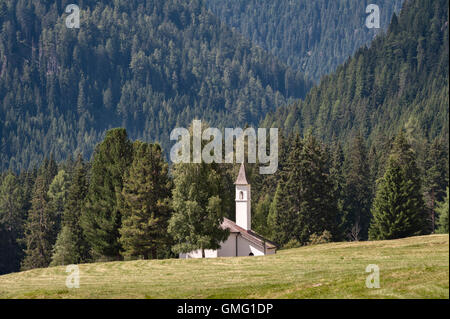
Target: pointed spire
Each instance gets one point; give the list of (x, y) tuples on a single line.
[(241, 179)]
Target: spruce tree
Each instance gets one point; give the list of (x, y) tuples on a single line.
[(436, 177), (282, 220), (398, 210), (260, 216), (318, 209), (285, 208), (101, 219), (57, 196), (442, 210), (145, 202), (65, 251), (304, 202), (338, 179), (358, 192), (11, 223), (41, 225), (71, 246)]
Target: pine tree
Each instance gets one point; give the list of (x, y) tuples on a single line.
[(260, 216), (338, 179), (71, 246), (282, 220), (41, 225), (318, 210), (304, 202), (11, 223), (57, 196), (145, 202), (436, 177), (442, 210), (101, 219), (65, 251), (358, 192), (398, 210), (285, 208)]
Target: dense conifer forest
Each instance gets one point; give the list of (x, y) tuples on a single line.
[(312, 36), (148, 66), (400, 82)]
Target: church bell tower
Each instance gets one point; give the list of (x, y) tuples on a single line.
[(243, 199)]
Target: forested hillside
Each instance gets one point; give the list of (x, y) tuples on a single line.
[(148, 66), (311, 36), (401, 81)]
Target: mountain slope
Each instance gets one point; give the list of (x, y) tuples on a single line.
[(415, 267), (401, 81), (149, 66), (312, 36)]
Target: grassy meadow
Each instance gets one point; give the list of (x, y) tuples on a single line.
[(416, 267)]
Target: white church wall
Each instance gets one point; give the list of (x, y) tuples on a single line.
[(245, 247), (228, 248), (209, 253)]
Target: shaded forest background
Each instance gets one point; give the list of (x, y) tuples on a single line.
[(311, 36), (148, 66), (151, 66)]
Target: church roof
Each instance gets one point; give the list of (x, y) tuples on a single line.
[(241, 179), (247, 234)]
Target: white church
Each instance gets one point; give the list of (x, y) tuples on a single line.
[(242, 240)]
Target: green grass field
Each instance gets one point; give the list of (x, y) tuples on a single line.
[(416, 267)]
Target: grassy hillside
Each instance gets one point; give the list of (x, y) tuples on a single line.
[(416, 267)]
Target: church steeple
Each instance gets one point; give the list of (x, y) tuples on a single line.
[(241, 179), (243, 200)]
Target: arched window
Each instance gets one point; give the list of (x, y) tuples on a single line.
[(241, 195)]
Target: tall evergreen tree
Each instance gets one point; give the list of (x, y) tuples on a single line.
[(145, 203), (398, 210), (285, 208), (71, 246), (318, 210), (442, 210), (57, 196), (11, 223), (305, 204), (436, 177), (41, 224), (101, 219), (338, 179), (358, 193), (260, 216)]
